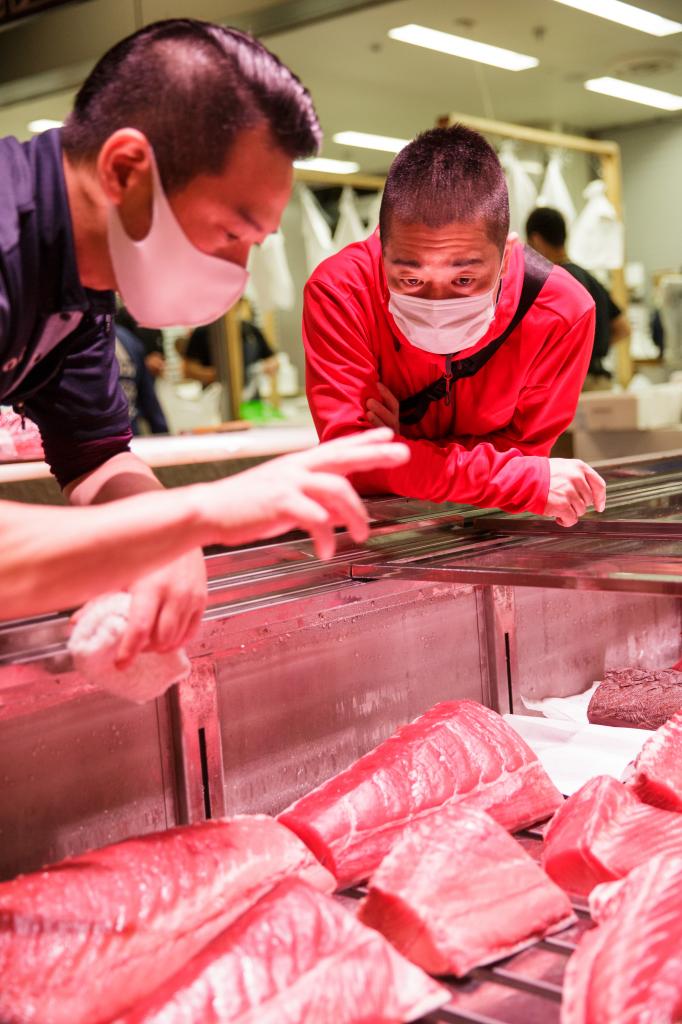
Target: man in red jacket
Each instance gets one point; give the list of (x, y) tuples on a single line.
[(471, 346)]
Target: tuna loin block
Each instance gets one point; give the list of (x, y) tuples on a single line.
[(636, 698), (657, 777), (457, 891), (84, 939), (602, 832), (296, 957), (629, 969), (458, 751)]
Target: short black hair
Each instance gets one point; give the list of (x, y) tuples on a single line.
[(444, 176), (190, 87), (549, 224)]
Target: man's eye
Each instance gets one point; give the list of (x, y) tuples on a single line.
[(231, 237), (464, 282), (412, 282)]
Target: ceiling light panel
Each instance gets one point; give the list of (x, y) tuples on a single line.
[(626, 14), (327, 166), (43, 124), (365, 140), (460, 46), (621, 90)]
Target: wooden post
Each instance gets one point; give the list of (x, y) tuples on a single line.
[(235, 362), (270, 334)]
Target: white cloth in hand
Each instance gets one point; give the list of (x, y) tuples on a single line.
[(95, 640)]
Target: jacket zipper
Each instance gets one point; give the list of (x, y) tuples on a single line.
[(448, 378)]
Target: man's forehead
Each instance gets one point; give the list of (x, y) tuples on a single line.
[(455, 245)]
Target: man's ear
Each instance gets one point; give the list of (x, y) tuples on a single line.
[(124, 162), (512, 239)]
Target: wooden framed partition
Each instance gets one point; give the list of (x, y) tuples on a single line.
[(608, 154)]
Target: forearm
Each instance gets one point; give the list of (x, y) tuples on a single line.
[(55, 558), (483, 477)]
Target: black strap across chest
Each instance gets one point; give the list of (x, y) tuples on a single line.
[(535, 272)]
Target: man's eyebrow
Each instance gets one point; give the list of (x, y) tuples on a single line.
[(251, 221), (406, 263), (465, 262)]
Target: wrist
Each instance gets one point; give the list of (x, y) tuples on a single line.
[(197, 516)]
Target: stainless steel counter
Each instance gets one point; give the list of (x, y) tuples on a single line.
[(302, 666)]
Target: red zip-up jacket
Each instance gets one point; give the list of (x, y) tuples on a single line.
[(490, 445)]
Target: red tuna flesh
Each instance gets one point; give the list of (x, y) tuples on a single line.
[(602, 832), (458, 751), (296, 957), (657, 775), (628, 970), (457, 891), (84, 939)]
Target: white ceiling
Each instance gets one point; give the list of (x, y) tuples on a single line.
[(362, 80)]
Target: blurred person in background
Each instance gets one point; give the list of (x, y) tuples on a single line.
[(151, 338), (257, 356), (176, 159), (443, 326), (138, 384), (546, 232)]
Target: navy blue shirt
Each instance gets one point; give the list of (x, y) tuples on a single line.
[(57, 344)]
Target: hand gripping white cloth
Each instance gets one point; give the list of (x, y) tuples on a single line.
[(93, 645)]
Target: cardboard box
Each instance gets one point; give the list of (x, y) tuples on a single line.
[(594, 446), (654, 408)]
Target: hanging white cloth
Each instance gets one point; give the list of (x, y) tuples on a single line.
[(350, 227), (373, 209), (597, 239), (317, 236), (554, 191), (271, 285), (522, 191)]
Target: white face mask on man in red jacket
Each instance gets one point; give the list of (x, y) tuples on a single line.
[(445, 326)]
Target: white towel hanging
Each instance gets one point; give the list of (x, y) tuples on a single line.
[(554, 191), (350, 227), (522, 191), (597, 239), (271, 283), (317, 236)]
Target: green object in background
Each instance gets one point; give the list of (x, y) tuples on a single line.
[(260, 412)]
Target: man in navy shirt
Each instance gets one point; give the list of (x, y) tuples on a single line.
[(176, 159)]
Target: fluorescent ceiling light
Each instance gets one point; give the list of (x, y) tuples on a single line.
[(43, 124), (364, 140), (635, 93), (459, 46), (321, 163), (626, 14)]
